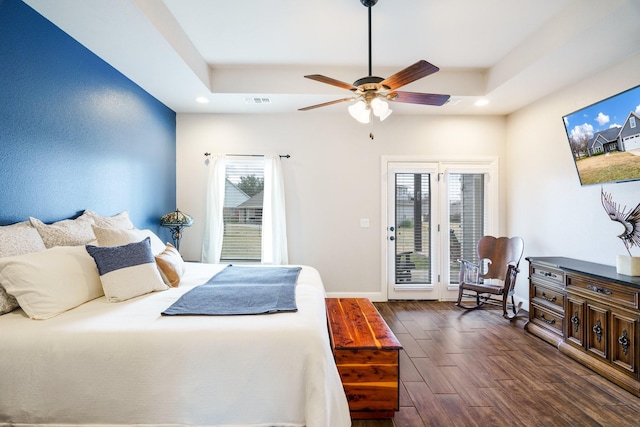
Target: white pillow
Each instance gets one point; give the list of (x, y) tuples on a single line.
[(68, 232), (116, 236), (50, 282), (127, 271), (119, 237), (157, 245), (120, 220), (17, 239)]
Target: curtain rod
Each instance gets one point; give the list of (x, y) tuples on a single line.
[(286, 156)]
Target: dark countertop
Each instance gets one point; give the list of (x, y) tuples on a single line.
[(593, 269)]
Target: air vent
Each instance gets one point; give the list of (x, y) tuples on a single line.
[(257, 100)]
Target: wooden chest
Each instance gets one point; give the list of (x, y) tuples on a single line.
[(367, 356)]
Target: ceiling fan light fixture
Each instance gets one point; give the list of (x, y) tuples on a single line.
[(380, 108), (360, 111)]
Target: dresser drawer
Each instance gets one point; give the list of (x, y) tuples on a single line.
[(549, 297), (605, 291), (553, 276), (546, 318)]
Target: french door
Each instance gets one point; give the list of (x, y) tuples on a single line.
[(435, 212)]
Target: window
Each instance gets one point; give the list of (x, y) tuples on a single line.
[(632, 121), (242, 210)]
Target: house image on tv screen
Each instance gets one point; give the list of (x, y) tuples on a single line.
[(625, 138)]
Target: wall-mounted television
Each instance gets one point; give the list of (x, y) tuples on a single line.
[(605, 139)]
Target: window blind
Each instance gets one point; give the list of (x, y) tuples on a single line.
[(242, 213), (466, 218), (413, 228)]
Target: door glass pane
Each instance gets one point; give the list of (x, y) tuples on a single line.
[(466, 219), (413, 229)]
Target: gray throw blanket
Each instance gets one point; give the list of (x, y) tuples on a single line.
[(241, 290)]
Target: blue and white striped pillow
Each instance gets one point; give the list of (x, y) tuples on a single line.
[(127, 271)]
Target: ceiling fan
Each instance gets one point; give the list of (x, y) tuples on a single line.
[(371, 92)]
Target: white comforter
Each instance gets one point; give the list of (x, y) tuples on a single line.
[(123, 364)]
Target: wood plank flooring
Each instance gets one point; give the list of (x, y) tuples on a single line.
[(475, 368)]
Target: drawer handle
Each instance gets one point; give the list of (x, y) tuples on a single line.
[(599, 290), (624, 341), (598, 330), (575, 320), (547, 298), (551, 322)]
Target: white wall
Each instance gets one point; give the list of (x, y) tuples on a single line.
[(546, 204), (332, 179)]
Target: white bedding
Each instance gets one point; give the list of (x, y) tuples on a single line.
[(125, 364)]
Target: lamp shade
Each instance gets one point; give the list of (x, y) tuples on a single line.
[(176, 218), (360, 111), (380, 108)]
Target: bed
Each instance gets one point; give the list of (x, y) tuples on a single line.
[(123, 363)]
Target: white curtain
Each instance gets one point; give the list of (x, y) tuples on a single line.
[(214, 225), (274, 229)]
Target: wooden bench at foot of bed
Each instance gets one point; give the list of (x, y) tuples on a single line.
[(367, 356)]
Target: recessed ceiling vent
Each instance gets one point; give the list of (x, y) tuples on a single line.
[(257, 100)]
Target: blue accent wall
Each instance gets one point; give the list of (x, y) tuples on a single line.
[(75, 133)]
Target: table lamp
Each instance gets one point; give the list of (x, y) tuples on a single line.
[(175, 222)]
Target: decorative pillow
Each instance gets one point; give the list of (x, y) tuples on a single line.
[(120, 220), (127, 271), (171, 265), (68, 232), (17, 239), (119, 237), (50, 282)]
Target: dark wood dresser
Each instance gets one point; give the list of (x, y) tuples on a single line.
[(590, 313)]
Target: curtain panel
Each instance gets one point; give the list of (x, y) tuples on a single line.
[(214, 225)]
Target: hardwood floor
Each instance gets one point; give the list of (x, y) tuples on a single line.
[(475, 368)]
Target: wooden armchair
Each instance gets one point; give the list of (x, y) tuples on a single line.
[(492, 280)]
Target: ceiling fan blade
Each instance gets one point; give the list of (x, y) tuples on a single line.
[(325, 104), (419, 98), (410, 74), (330, 81)]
